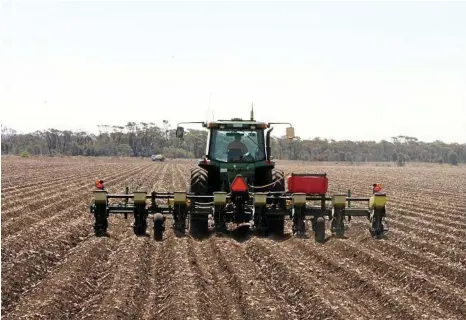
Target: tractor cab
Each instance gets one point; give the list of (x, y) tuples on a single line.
[(235, 147), (236, 142)]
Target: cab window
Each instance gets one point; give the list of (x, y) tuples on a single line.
[(221, 140)]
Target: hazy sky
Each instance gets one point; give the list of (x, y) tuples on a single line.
[(338, 70)]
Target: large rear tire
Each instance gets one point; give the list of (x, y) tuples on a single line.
[(276, 224), (199, 225), (278, 174), (199, 181)]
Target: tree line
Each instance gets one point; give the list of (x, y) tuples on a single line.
[(145, 139)]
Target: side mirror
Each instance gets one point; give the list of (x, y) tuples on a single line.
[(179, 132), (290, 133)]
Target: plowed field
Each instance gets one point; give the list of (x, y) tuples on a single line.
[(54, 268)]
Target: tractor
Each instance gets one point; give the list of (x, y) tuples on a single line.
[(237, 182)]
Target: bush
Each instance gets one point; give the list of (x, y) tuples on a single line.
[(24, 154)]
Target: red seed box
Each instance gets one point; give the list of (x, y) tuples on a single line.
[(308, 183)]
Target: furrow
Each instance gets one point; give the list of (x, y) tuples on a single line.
[(289, 285), (412, 288), (248, 294)]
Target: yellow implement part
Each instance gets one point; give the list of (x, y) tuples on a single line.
[(378, 201), (171, 202)]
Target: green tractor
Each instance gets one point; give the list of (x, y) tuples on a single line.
[(238, 160), (237, 182)]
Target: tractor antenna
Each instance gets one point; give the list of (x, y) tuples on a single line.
[(252, 111)]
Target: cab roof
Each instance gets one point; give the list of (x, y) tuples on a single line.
[(237, 123)]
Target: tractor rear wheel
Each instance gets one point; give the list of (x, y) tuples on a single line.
[(278, 174), (199, 186), (276, 224), (199, 181)]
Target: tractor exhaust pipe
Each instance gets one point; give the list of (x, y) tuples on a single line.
[(268, 148)]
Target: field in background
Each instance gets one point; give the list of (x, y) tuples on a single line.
[(54, 268)]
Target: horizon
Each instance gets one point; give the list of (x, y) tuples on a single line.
[(343, 71), (96, 133)]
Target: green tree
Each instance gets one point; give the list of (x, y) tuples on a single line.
[(401, 159), (453, 158), (145, 139)]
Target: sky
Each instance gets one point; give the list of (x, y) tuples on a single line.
[(336, 70)]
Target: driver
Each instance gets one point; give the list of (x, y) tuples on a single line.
[(237, 144)]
